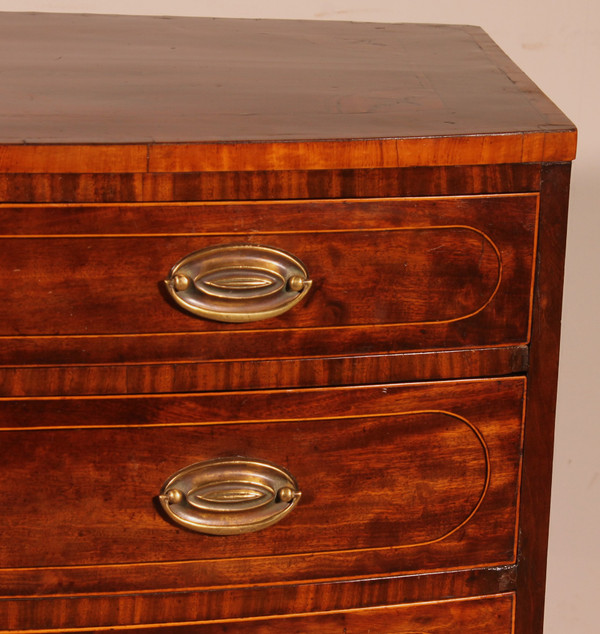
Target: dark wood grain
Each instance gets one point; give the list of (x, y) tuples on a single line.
[(245, 218), (287, 95), (462, 616), (291, 184), (126, 378), (61, 613), (493, 615), (541, 400)]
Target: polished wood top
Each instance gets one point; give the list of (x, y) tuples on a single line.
[(347, 88)]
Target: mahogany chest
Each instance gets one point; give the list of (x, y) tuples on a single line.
[(279, 327)]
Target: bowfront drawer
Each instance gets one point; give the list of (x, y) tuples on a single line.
[(299, 484), (288, 278)]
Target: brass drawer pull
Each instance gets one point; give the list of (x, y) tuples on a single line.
[(238, 283), (229, 496)]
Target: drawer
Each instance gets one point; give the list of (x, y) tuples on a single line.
[(396, 478), (386, 275)]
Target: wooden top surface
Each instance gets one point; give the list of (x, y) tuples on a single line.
[(373, 88)]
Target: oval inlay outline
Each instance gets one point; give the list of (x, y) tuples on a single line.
[(458, 419), (186, 300)]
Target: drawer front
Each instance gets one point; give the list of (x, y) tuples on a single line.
[(395, 478), (489, 614), (385, 275)]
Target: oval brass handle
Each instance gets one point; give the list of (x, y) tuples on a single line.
[(238, 283), (229, 496)]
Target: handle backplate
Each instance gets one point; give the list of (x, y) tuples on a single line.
[(238, 283), (229, 496)]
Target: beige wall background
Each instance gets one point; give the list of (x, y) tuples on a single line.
[(557, 43)]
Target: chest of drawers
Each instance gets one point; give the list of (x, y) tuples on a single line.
[(280, 325)]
